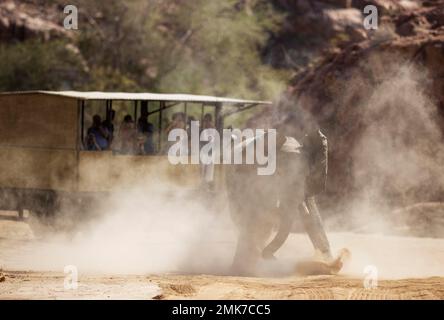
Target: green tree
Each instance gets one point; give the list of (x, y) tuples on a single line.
[(201, 46), (35, 65)]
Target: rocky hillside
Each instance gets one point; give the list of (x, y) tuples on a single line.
[(22, 20), (310, 27), (315, 26), (380, 100)]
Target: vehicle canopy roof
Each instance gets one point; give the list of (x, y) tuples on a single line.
[(97, 95)]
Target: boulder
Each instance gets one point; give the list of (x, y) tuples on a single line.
[(22, 21)]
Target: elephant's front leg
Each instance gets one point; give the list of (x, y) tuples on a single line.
[(251, 240)]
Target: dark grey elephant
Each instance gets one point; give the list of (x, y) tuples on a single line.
[(260, 203)]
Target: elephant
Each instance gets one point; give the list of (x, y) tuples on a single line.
[(259, 203)]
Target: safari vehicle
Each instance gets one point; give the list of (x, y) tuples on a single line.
[(44, 160)]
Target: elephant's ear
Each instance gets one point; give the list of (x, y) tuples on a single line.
[(291, 145)]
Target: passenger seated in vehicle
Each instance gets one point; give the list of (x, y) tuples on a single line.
[(97, 135), (91, 143), (208, 122), (178, 121), (109, 125), (126, 140), (145, 130)]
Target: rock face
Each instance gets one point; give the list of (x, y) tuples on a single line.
[(314, 26), (310, 27), (388, 6), (381, 103), (21, 21)]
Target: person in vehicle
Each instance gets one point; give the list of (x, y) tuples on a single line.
[(109, 125), (178, 122), (145, 130), (208, 121), (97, 135), (91, 143), (127, 136)]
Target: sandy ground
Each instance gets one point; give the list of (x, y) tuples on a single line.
[(49, 285), (407, 268)]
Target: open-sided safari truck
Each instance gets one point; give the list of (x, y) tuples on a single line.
[(44, 159)]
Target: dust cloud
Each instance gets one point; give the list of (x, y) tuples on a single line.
[(147, 229), (396, 162), (397, 159)]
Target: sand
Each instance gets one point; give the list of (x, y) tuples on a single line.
[(49, 285), (407, 268)]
